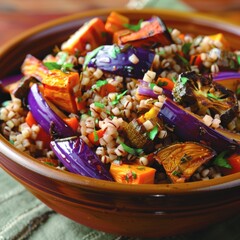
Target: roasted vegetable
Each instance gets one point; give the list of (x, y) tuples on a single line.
[(205, 96), (115, 22), (143, 131), (78, 158), (132, 173), (33, 67), (50, 120), (230, 80), (154, 33), (181, 160), (23, 87), (189, 127), (59, 88), (125, 61), (79, 40)]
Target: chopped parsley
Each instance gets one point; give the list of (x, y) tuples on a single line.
[(185, 158), (99, 104), (186, 48), (118, 97), (61, 64), (133, 151), (134, 27), (152, 134), (210, 95), (91, 55), (221, 161), (184, 80), (99, 83)]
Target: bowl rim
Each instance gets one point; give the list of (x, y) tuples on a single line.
[(225, 182)]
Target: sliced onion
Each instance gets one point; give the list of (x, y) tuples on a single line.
[(189, 127), (78, 158), (46, 117)]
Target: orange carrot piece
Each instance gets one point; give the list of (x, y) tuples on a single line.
[(115, 22), (81, 105), (92, 32), (72, 122), (95, 136), (165, 83), (30, 120), (42, 135), (58, 88), (49, 161), (106, 89), (132, 174)]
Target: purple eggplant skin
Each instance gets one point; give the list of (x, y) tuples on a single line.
[(188, 127), (229, 80), (45, 116), (78, 158), (116, 59)]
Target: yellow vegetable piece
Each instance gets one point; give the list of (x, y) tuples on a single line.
[(132, 174), (220, 37)]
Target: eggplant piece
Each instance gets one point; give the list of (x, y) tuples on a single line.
[(181, 160), (189, 127), (126, 61), (78, 158), (230, 80), (47, 115), (205, 96), (153, 34), (23, 87)]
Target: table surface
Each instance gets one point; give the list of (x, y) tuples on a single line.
[(17, 16)]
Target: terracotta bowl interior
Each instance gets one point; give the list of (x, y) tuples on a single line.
[(68, 193)]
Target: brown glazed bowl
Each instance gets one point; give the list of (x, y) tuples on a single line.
[(129, 210)]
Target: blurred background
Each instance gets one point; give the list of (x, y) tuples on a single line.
[(17, 16)]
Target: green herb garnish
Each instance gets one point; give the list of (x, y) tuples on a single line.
[(210, 95), (99, 83), (91, 55), (185, 158), (95, 136), (61, 64), (115, 51), (99, 104), (221, 161), (152, 85), (184, 80), (152, 134), (186, 48), (177, 173), (118, 97), (134, 27), (183, 59), (133, 151)]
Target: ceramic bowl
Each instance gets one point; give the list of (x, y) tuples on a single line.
[(130, 210)]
